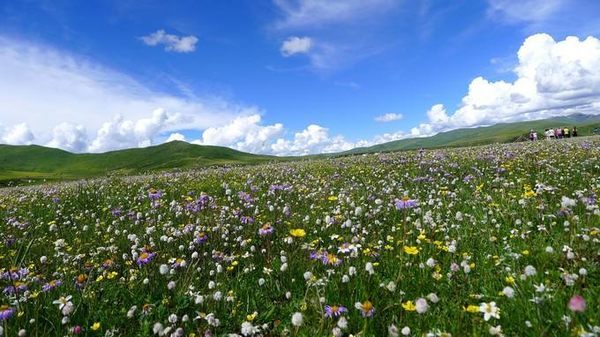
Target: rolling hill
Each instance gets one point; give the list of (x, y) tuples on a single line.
[(21, 164), (498, 133), (33, 162)]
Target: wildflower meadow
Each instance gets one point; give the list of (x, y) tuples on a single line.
[(498, 240)]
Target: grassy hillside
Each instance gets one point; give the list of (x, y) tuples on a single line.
[(499, 133), (35, 162)]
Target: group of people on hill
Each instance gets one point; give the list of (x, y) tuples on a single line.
[(557, 133)]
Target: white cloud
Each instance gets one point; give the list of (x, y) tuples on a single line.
[(249, 134), (121, 133), (175, 136), (69, 137), (18, 134), (243, 133), (179, 44), (389, 117), (44, 87), (360, 21), (528, 11), (316, 13), (553, 79), (296, 45)]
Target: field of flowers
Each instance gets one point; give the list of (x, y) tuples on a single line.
[(500, 240)]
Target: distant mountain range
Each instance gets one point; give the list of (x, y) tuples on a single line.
[(23, 163)]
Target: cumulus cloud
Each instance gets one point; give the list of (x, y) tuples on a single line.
[(249, 134), (389, 117), (69, 137), (175, 136), (18, 134), (553, 78), (121, 133), (171, 42), (296, 45)]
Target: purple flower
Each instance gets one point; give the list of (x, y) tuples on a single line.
[(6, 312), (51, 285), (405, 203), (201, 238), (266, 229), (154, 194), (334, 311), (145, 258)]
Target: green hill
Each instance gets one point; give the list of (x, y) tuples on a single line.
[(499, 133), (33, 162)]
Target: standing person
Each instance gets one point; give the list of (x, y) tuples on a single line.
[(574, 131), (566, 133), (558, 133), (549, 134), (531, 135), (535, 136)]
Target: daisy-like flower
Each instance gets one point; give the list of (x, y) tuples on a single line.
[(51, 285), (334, 311), (64, 305), (406, 203), (145, 258), (6, 312), (409, 306), (331, 259), (366, 308), (489, 310), (201, 238), (266, 229)]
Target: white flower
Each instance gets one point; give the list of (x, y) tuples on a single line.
[(433, 298), (158, 329), (283, 267), (164, 269), (391, 286), (489, 310), (405, 331), (261, 281), (549, 250), (508, 292), (430, 262), (566, 202), (393, 331), (369, 268), (248, 329), (22, 333), (495, 330), (307, 275), (173, 318), (342, 323), (171, 285), (345, 279), (131, 311), (530, 270), (1, 331), (297, 319), (421, 305)]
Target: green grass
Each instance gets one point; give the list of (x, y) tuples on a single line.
[(490, 224)]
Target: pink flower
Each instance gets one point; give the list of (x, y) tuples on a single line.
[(577, 303)]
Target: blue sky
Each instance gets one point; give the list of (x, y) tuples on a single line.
[(287, 76)]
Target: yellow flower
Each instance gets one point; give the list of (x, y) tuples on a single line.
[(251, 317), (509, 279), (472, 309), (411, 250), (409, 306), (332, 198), (298, 233), (112, 275), (96, 326)]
